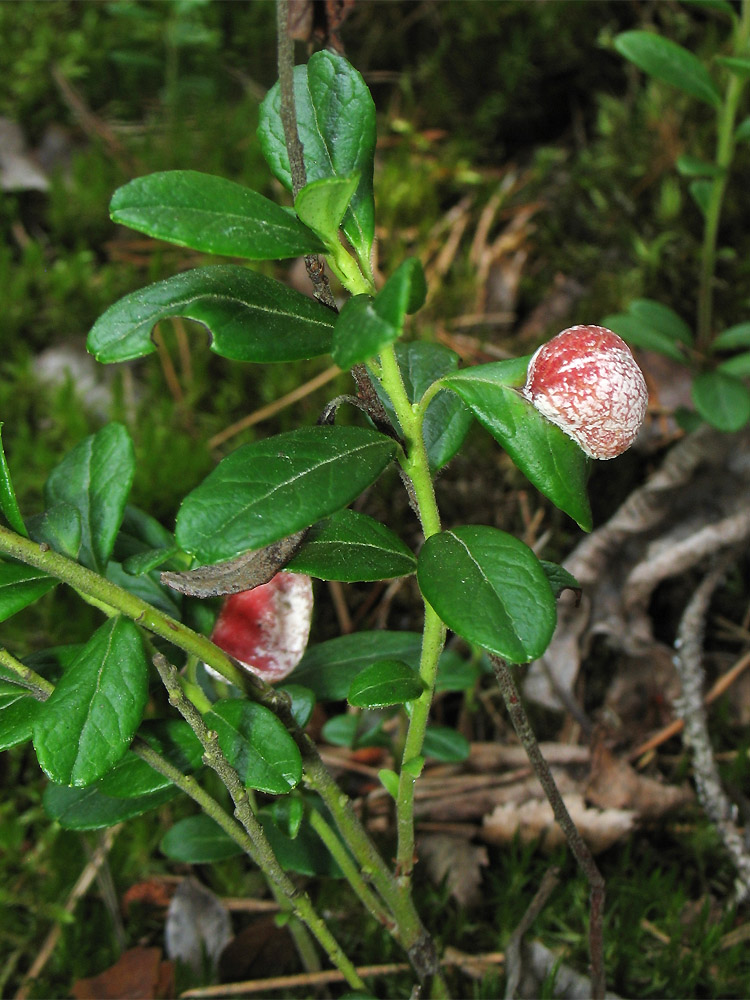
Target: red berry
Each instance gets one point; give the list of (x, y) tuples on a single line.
[(266, 628), (587, 381)]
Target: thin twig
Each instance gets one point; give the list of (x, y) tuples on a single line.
[(688, 661), (577, 844), (548, 884), (79, 890)]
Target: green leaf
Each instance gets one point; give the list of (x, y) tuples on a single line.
[(740, 67), (551, 460), (722, 400), (172, 739), (321, 204), (661, 318), (60, 528), (559, 578), (667, 61), (446, 745), (145, 562), (640, 333), (303, 702), (700, 192), (211, 214), (447, 420), (732, 338), (353, 547), (305, 854), (95, 478), (256, 744), (739, 366), (742, 132), (250, 317), (336, 124), (389, 780), (329, 668), (386, 682), (8, 502), (86, 724), (490, 589), (288, 813), (21, 586), (17, 714), (90, 809), (271, 488), (456, 673), (691, 166), (147, 588), (366, 325), (198, 840)]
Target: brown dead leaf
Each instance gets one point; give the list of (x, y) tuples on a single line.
[(614, 784), (139, 974), (151, 892), (533, 820), (456, 860)]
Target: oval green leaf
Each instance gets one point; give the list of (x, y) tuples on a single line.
[(87, 723), (60, 528), (198, 840), (722, 400), (95, 479), (269, 489), (250, 317), (353, 547), (8, 503), (670, 62), (639, 333), (446, 745), (256, 744), (321, 204), (211, 214), (739, 366), (17, 715), (732, 338), (173, 740), (21, 586), (383, 683), (329, 668), (336, 124), (489, 588), (549, 459), (90, 809)]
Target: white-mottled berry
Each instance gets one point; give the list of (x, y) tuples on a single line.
[(587, 381)]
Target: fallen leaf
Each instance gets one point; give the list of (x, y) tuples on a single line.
[(151, 892), (456, 860), (614, 784), (139, 974)]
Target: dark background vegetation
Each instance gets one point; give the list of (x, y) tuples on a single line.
[(471, 96)]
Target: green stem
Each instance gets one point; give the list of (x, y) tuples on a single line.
[(351, 873), (724, 155), (261, 851), (93, 586), (25, 677)]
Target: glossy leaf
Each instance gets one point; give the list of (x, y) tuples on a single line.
[(17, 714), (211, 214), (147, 588), (551, 460), (87, 723), (173, 740), (353, 547), (336, 125), (490, 589), (389, 780), (447, 420), (559, 578), (8, 503), (95, 478), (446, 745), (90, 809), (145, 562), (257, 745), (639, 333), (321, 204), (271, 488), (739, 366), (21, 586), (250, 317), (383, 683), (722, 400), (667, 61), (305, 854), (329, 668), (59, 527), (367, 325), (303, 702), (731, 339), (198, 840)]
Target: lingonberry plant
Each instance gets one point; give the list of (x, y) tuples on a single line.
[(275, 513), (719, 391)]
